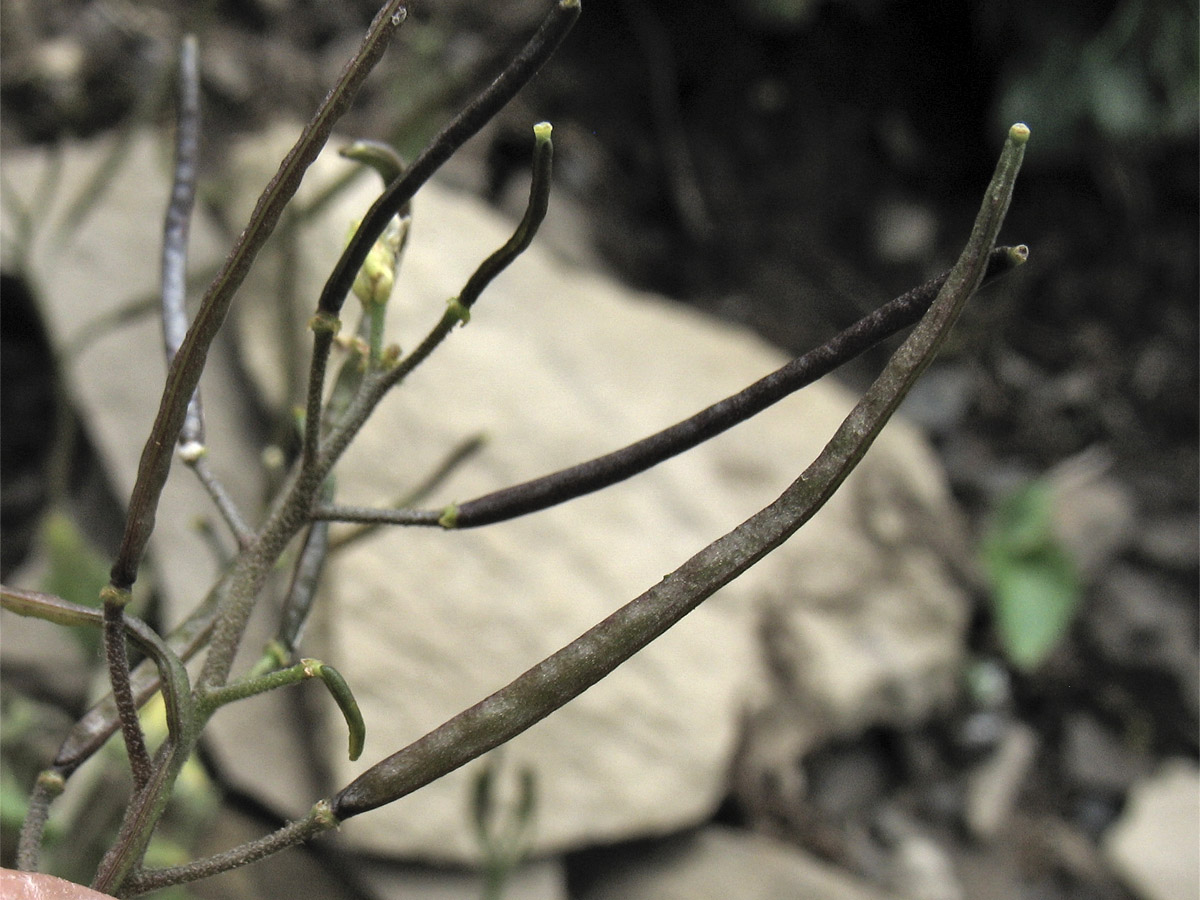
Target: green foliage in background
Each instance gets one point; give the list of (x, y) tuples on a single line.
[(1035, 588), (75, 570), (1136, 79)]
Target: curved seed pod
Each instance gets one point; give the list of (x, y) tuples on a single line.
[(344, 698), (602, 471), (381, 157)]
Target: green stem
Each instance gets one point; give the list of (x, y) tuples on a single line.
[(253, 686), (301, 671)]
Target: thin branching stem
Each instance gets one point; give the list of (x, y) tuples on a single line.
[(99, 723), (325, 328), (184, 372), (466, 124), (174, 323), (454, 459), (293, 509), (302, 592), (318, 820), (377, 383), (171, 673), (396, 198), (197, 461), (603, 471)]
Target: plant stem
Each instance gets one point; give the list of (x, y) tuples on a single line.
[(29, 845), (184, 372), (306, 576), (376, 383), (603, 471), (145, 809), (177, 224), (466, 124), (118, 675), (564, 675), (427, 486), (99, 722), (318, 820), (293, 509)]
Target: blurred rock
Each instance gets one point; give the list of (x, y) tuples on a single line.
[(1142, 621), (89, 272), (1094, 515), (1155, 845), (718, 863), (1094, 758), (542, 879), (1171, 541), (994, 785), (904, 231), (846, 780), (919, 867), (991, 872), (29, 410), (326, 869)]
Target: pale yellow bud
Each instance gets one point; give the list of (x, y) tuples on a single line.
[(373, 284)]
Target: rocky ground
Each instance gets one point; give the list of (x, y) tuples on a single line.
[(788, 166)]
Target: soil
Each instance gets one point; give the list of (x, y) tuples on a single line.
[(790, 174)]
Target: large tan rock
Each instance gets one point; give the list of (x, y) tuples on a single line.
[(862, 621)]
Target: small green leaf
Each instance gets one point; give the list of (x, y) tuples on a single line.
[(1035, 590)]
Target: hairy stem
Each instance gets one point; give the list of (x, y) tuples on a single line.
[(118, 675), (319, 819)]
